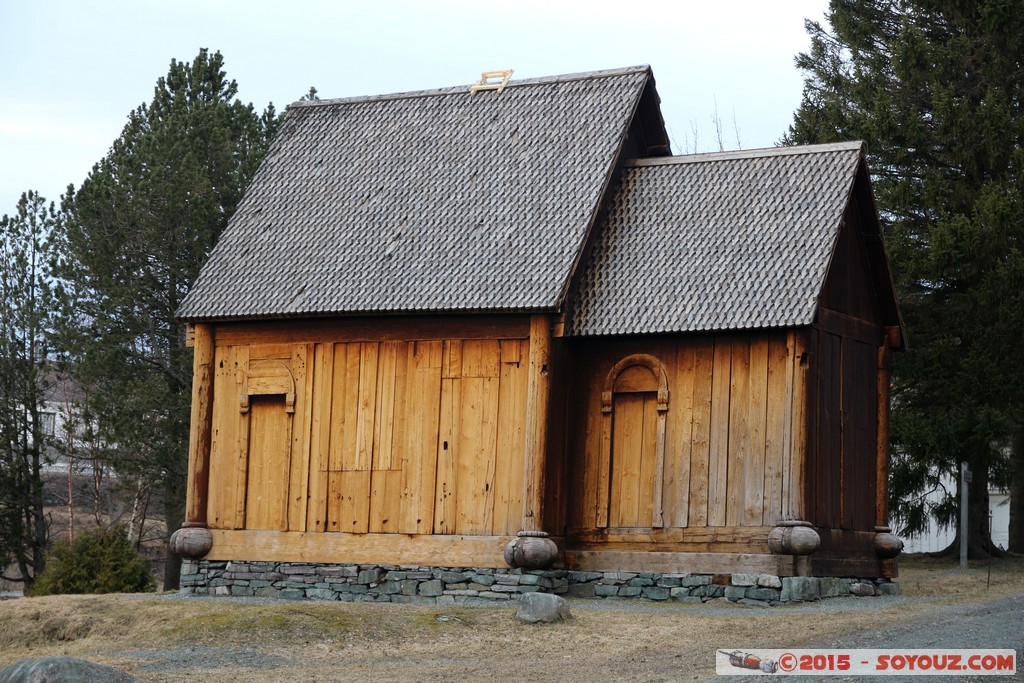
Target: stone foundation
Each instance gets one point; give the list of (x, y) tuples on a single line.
[(453, 586)]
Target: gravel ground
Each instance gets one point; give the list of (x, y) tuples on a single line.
[(993, 624)]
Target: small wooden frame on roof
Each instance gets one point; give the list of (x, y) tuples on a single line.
[(491, 80)]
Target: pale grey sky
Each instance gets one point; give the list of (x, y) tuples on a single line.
[(71, 70)]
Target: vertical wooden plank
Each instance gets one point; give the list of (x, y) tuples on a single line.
[(422, 410), (297, 463), (385, 476), (677, 442), (351, 488), (739, 430), (626, 452), (224, 488), (319, 452), (718, 443), (802, 421), (445, 510), (650, 459), (777, 425), (757, 415), (241, 449), (700, 440), (508, 466), (343, 428), (476, 455), (384, 416), (365, 431)]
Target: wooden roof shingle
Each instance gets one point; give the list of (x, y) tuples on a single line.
[(723, 241), (426, 201)]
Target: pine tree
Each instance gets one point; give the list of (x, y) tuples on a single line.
[(136, 233), (936, 89), (26, 295)]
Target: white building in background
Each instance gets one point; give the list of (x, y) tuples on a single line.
[(936, 539)]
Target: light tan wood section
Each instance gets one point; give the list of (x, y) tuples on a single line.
[(421, 550), (197, 495), (734, 435), (391, 436)]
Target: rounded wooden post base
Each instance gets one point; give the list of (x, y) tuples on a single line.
[(191, 542), (887, 544), (530, 550), (793, 537)]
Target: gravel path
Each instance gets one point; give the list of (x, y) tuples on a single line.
[(993, 624)]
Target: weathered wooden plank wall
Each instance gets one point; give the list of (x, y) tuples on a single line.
[(732, 456), (410, 436)]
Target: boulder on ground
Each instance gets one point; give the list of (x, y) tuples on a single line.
[(542, 607), (63, 670)]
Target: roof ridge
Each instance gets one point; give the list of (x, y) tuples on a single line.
[(853, 145), (464, 89)]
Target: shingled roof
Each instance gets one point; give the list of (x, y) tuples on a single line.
[(721, 241), (425, 201)]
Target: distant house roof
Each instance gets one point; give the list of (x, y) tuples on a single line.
[(425, 201), (716, 241)]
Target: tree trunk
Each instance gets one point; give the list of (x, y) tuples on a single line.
[(1016, 544), (174, 515)]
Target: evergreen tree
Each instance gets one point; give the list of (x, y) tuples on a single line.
[(26, 295), (136, 233), (936, 89)]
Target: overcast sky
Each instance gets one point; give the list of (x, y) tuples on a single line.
[(72, 70)]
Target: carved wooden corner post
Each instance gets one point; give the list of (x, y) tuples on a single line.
[(193, 540), (794, 536), (887, 544), (532, 549)]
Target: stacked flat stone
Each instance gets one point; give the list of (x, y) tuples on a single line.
[(486, 586)]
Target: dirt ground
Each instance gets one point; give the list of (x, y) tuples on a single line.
[(171, 637)]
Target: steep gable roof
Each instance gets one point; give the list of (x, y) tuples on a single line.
[(732, 240), (425, 201)]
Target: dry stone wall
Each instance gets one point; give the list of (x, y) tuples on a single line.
[(485, 586)]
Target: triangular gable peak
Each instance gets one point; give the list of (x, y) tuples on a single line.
[(726, 241), (435, 201)]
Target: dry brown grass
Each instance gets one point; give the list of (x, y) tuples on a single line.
[(167, 639)]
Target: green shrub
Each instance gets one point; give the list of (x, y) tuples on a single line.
[(100, 561)]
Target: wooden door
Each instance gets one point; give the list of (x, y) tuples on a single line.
[(633, 458), (269, 443)]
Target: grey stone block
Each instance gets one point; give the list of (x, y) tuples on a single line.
[(744, 579), (769, 581), (735, 593), (669, 582), (321, 594), (491, 595), (655, 593), (690, 581), (763, 593), (293, 594), (451, 577), (641, 581), (678, 593), (298, 569), (507, 579), (408, 586), (710, 591), (431, 588), (482, 579), (801, 588), (582, 590), (832, 587), (889, 588), (629, 591), (603, 590), (368, 576)]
